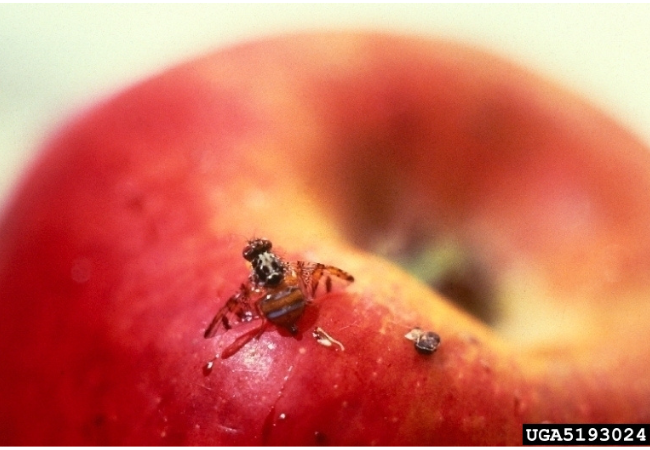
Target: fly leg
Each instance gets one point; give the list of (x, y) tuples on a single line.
[(238, 306), (243, 340)]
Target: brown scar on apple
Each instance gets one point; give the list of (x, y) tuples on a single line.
[(425, 342)]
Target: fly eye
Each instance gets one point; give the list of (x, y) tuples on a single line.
[(248, 253), (255, 248)]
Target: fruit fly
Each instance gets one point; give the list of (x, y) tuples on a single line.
[(276, 291)]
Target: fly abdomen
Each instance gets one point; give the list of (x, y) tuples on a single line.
[(284, 307)]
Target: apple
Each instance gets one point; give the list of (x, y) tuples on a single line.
[(373, 153)]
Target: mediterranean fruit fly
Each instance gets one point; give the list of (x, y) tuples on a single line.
[(276, 291)]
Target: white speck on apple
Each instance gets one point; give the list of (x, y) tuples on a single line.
[(325, 339), (414, 334)]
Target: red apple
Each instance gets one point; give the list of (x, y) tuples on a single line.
[(126, 238)]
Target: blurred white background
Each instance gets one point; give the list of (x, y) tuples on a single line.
[(56, 60)]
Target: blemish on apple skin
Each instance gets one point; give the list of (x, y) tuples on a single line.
[(268, 425), (227, 429), (286, 377), (470, 338), (519, 405), (270, 422), (100, 419), (81, 270), (203, 386), (256, 199), (321, 438)]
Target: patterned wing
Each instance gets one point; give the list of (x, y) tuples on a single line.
[(313, 274), (237, 309)]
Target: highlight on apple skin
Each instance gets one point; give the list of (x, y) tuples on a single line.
[(435, 174)]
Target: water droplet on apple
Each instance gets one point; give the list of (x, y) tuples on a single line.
[(414, 334), (207, 368), (427, 343)]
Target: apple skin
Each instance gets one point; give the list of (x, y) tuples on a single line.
[(125, 239)]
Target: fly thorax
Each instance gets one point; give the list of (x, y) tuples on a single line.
[(268, 269)]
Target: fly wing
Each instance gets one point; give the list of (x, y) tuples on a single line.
[(317, 277), (237, 309)]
